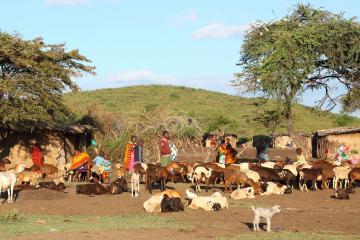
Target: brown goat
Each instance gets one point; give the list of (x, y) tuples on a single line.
[(48, 169), (3, 163), (154, 174), (239, 178), (312, 175), (354, 175)]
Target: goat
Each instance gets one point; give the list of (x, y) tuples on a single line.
[(141, 169), (118, 186), (48, 169), (200, 174), (153, 204), (135, 184), (8, 181), (171, 193), (354, 175), (268, 165), (266, 174), (176, 169), (52, 185), (242, 193), (29, 176), (312, 175), (120, 169), (171, 204), (3, 164), (341, 173), (206, 203), (343, 193), (91, 188), (266, 213), (240, 179), (154, 174), (271, 188)]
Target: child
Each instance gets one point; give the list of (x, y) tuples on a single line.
[(300, 159)]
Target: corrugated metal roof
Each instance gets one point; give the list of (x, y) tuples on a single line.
[(337, 131)]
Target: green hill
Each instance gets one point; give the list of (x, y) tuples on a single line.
[(211, 108)]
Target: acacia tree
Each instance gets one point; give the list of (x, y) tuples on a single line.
[(33, 77), (306, 50)]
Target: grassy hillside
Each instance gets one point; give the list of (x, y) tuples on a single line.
[(211, 108)]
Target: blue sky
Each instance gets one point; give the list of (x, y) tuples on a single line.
[(180, 42)]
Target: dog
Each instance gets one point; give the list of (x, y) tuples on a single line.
[(266, 213)]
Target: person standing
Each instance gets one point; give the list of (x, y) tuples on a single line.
[(61, 156), (130, 154), (37, 157), (138, 151), (165, 152)]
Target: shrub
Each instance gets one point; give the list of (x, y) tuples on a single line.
[(354, 151)]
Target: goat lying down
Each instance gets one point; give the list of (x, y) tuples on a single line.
[(153, 204), (272, 188), (242, 193), (206, 203)]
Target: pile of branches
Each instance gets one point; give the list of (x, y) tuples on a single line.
[(115, 130)]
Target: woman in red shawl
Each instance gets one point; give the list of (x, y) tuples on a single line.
[(37, 157)]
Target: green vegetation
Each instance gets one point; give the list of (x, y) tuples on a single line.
[(32, 224), (305, 50), (9, 216), (33, 77), (211, 109)]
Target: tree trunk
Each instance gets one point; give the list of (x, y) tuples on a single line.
[(299, 140)]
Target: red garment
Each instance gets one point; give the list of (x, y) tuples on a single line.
[(164, 147), (37, 157)]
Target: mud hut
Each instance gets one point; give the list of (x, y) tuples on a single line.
[(325, 142), (17, 145), (285, 140)]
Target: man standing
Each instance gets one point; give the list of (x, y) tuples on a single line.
[(165, 152)]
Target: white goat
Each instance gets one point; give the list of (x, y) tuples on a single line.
[(206, 203), (153, 204), (266, 213), (268, 164), (292, 168), (275, 188), (341, 173), (8, 181), (200, 174), (135, 184), (242, 193), (252, 175)]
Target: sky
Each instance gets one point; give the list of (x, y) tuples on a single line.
[(132, 42)]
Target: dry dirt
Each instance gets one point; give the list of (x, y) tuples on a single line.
[(309, 212)]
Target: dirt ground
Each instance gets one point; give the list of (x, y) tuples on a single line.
[(302, 212)]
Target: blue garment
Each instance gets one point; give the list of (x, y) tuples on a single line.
[(100, 161)]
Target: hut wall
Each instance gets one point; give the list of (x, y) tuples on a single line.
[(281, 141), (334, 141), (17, 147)]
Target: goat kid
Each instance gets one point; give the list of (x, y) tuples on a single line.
[(266, 213)]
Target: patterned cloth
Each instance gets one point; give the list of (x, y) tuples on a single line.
[(37, 157), (174, 151), (79, 160), (129, 157)]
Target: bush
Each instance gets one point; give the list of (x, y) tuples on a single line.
[(343, 120)]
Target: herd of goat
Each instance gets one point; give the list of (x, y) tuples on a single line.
[(250, 179)]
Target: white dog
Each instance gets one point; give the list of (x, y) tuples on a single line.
[(266, 213)]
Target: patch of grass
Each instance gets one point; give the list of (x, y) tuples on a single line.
[(32, 224), (9, 216), (293, 236)]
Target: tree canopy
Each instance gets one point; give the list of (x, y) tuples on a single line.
[(306, 50), (33, 77)]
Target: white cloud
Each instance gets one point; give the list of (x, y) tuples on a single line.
[(219, 30), (140, 75), (188, 17), (66, 2)]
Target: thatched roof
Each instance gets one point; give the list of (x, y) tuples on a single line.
[(72, 129), (285, 134), (338, 131)]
